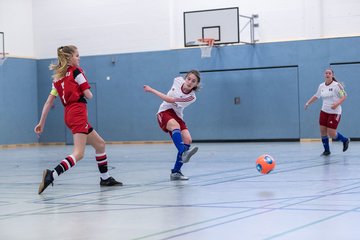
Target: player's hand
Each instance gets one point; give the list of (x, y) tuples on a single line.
[(147, 88), (306, 106), (334, 106), (38, 129)]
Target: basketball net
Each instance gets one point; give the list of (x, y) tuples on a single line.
[(207, 46)]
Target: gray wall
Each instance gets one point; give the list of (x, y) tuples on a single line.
[(273, 81)]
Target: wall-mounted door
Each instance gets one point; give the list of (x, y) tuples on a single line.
[(348, 74), (246, 104)]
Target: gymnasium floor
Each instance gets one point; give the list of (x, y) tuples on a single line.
[(305, 197)]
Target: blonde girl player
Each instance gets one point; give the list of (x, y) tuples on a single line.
[(170, 117), (72, 87), (333, 94)]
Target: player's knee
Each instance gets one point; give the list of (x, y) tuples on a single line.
[(187, 140), (172, 124), (332, 135)]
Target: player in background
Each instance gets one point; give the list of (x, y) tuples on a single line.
[(170, 117), (72, 87), (333, 95)]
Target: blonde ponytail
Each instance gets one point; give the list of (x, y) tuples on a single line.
[(64, 54)]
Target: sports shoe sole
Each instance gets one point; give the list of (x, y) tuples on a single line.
[(325, 153), (178, 178), (110, 182), (42, 184), (346, 145), (186, 158)]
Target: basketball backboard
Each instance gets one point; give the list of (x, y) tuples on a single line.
[(2, 48), (222, 25), (2, 45)]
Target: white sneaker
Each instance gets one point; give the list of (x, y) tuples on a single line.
[(177, 176), (187, 154)]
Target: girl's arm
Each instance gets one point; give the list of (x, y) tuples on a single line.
[(39, 128), (161, 95), (342, 94), (88, 94), (341, 100), (310, 101)]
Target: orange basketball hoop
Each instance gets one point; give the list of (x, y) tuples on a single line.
[(206, 45), (209, 41)]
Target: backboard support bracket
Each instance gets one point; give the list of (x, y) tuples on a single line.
[(250, 24)]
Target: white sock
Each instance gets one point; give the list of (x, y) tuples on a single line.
[(54, 174), (104, 176)]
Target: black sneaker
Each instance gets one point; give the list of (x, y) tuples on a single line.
[(47, 179), (346, 144), (326, 153), (110, 182)]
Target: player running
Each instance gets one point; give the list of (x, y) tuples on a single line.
[(72, 87), (333, 94)]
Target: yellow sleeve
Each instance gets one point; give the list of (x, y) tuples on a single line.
[(341, 90), (54, 92)]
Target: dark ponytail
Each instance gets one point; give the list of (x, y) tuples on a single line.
[(333, 78)]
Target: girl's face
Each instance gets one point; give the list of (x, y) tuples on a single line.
[(75, 59), (191, 81), (328, 74)]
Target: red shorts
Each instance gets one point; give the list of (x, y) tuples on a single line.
[(165, 116), (329, 120), (76, 118)]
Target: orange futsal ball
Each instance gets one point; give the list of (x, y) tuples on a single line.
[(265, 163)]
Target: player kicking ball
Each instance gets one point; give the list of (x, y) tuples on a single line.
[(170, 117)]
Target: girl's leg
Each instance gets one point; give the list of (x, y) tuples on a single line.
[(186, 136), (98, 143), (187, 142), (187, 139), (182, 140), (325, 140), (183, 157), (65, 164), (339, 137), (174, 128), (77, 155)]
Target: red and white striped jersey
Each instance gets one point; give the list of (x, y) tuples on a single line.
[(182, 99), (71, 87)]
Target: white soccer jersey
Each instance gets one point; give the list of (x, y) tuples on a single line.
[(182, 99), (330, 95)]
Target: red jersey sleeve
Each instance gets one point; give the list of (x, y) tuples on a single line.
[(80, 78)]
